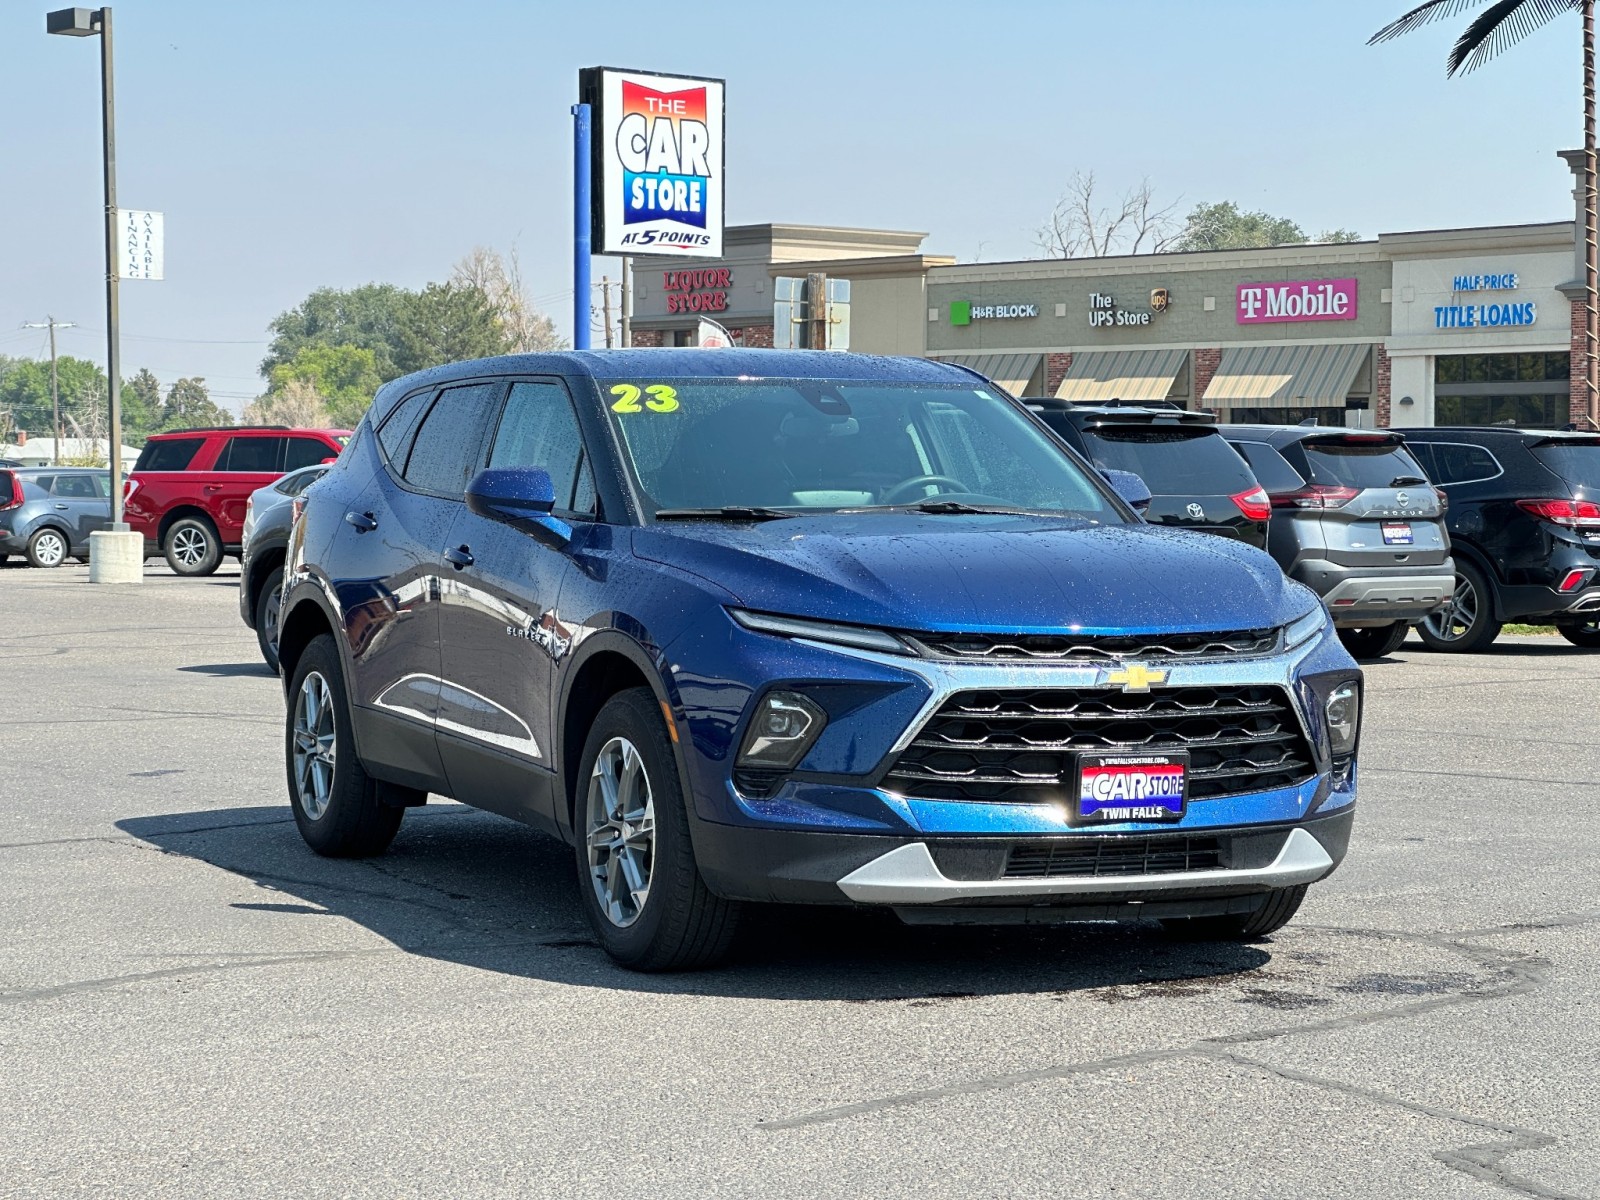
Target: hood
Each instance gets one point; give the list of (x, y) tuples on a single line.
[(1008, 574)]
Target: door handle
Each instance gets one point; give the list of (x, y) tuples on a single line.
[(62, 507), (459, 557), (363, 522), (212, 487)]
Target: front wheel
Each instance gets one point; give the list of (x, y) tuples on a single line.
[(1580, 633), (267, 618), (47, 548), (640, 887), (1279, 909), (336, 804), (1375, 642), (1467, 622), (193, 547)]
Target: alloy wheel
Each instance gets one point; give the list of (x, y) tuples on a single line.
[(314, 745), (269, 622), (1456, 619), (49, 549), (189, 547), (621, 833)]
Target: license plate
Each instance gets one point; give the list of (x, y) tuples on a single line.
[(1131, 787), (1396, 533)]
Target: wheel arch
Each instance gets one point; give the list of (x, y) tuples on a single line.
[(305, 620), (177, 513), (1466, 552), (262, 564)]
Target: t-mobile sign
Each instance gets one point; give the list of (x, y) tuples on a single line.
[(1301, 300)]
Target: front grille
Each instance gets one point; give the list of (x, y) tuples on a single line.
[(1021, 745), (1102, 856), (990, 647)]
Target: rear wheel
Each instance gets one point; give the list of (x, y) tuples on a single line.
[(1580, 633), (1374, 642), (639, 885), (47, 547), (193, 547), (1467, 622), (267, 617), (337, 805), (1279, 909)]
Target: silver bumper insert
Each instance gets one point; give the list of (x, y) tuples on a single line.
[(1395, 590), (908, 875)]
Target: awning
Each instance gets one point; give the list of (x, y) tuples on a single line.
[(1121, 375), (1014, 372), (1285, 376)]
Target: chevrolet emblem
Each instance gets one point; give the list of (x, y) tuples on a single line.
[(1136, 677)]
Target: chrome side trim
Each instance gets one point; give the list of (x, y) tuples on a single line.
[(908, 875), (393, 700)]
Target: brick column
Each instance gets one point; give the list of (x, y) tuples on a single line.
[(1577, 380), (1380, 386), (647, 338), (755, 336), (1056, 367), (1204, 368)]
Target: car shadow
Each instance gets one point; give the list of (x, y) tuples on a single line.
[(465, 887), (230, 670)]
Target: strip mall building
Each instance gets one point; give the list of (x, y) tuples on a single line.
[(1450, 326)]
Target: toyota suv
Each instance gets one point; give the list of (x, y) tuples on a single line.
[(1525, 527), (755, 626), (188, 490), (1355, 519)]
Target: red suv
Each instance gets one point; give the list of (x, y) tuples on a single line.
[(187, 492)]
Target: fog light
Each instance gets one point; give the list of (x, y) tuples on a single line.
[(782, 728), (1344, 718)]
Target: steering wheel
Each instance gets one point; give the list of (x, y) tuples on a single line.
[(892, 496)]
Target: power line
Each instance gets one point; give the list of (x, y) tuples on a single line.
[(141, 337)]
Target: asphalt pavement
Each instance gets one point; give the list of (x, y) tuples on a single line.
[(193, 1004)]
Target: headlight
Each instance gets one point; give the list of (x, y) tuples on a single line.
[(1344, 718), (862, 637), (782, 728), (1305, 628)]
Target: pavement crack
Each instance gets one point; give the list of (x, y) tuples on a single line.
[(80, 986)]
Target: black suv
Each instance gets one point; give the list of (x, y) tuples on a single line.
[(1195, 478), (1524, 522)]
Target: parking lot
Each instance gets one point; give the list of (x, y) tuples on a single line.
[(194, 1004)]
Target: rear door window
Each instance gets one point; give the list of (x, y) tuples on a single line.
[(1576, 462), (449, 448), (1361, 463), (74, 487), (1171, 461), (1456, 462), (259, 454), (169, 454), (306, 452), (395, 436), (1271, 468)]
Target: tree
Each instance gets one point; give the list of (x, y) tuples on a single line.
[(295, 403), (342, 378), (189, 405), (141, 406), (527, 330), (1083, 225), (1502, 25), (25, 392), (368, 317), (445, 323)]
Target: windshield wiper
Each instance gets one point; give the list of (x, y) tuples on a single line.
[(728, 512), (1406, 481), (962, 509)]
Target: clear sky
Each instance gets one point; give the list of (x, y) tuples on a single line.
[(295, 144)]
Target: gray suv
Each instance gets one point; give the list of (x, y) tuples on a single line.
[(48, 513), (1355, 519)]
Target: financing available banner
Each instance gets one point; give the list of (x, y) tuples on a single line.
[(658, 154)]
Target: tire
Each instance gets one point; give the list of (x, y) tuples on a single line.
[(47, 547), (336, 804), (1279, 909), (1467, 623), (192, 547), (1376, 641), (1580, 633), (679, 925), (267, 618)]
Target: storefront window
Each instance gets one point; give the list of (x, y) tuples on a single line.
[(1500, 368), (1526, 412), (1286, 416), (1527, 390)]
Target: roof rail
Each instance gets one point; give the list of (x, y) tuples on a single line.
[(221, 428)]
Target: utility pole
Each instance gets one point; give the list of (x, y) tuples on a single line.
[(605, 307), (627, 301), (52, 325)]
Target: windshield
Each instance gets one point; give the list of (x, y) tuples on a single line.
[(1576, 462), (822, 445), (1172, 462), (1361, 463)]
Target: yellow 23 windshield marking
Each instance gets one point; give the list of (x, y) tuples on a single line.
[(663, 399)]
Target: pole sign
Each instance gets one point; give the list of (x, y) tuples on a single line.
[(658, 155), (141, 244)]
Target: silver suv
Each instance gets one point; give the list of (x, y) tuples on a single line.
[(1355, 519)]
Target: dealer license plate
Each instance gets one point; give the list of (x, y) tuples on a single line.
[(1131, 787), (1397, 533)]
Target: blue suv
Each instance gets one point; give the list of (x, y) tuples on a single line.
[(751, 626)]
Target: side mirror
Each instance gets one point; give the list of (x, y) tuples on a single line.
[(1133, 490), (521, 497)]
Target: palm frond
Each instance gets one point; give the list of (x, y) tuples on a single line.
[(1422, 14), (1503, 24)]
